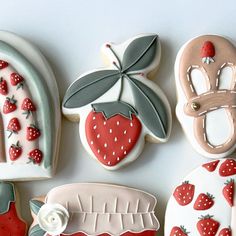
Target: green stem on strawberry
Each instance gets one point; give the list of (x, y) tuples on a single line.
[(11, 132), (119, 66), (121, 87)]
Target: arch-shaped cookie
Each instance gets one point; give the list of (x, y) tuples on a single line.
[(29, 108), (118, 106)]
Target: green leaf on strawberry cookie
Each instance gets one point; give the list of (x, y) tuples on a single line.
[(140, 53), (90, 87), (35, 206), (110, 109), (36, 231), (150, 108)]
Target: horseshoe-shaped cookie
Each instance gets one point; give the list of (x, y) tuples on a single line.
[(205, 73)]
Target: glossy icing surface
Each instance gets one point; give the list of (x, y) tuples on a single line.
[(205, 80), (116, 92), (29, 113), (207, 197), (10, 222), (100, 209)]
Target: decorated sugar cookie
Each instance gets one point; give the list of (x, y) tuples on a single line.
[(205, 202), (29, 107), (118, 106), (205, 80), (11, 223), (94, 209)]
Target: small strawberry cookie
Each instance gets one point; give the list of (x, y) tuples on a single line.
[(10, 222), (94, 209), (30, 114), (206, 86), (205, 202), (118, 106)]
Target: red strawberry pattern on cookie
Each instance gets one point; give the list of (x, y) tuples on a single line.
[(9, 105), (3, 87), (208, 52), (179, 231), (211, 166), (225, 232), (18, 113), (228, 168), (212, 210), (32, 133), (13, 126), (36, 156), (207, 226), (228, 192), (184, 193), (204, 202), (15, 151), (28, 107), (112, 139), (17, 80), (3, 64)]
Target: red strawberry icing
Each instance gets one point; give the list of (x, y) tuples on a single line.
[(19, 113), (111, 139)]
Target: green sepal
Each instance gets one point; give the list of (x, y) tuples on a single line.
[(110, 109), (36, 231), (35, 206), (7, 195)]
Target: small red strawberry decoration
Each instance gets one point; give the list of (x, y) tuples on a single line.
[(17, 80), (228, 168), (225, 232), (207, 52), (28, 107), (3, 86), (204, 202), (111, 139), (15, 151), (228, 192), (179, 231), (32, 133), (3, 64), (211, 166), (9, 105), (184, 193), (36, 156), (13, 126), (207, 226)]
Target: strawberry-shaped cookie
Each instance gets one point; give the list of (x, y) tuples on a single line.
[(28, 95), (212, 210), (119, 107), (83, 209), (205, 80), (11, 223)]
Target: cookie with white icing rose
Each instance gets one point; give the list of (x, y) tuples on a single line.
[(30, 114), (82, 209), (205, 79), (205, 202), (118, 106), (11, 223)]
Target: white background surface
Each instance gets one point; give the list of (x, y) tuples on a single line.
[(70, 34)]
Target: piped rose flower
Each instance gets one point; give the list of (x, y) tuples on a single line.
[(53, 218)]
